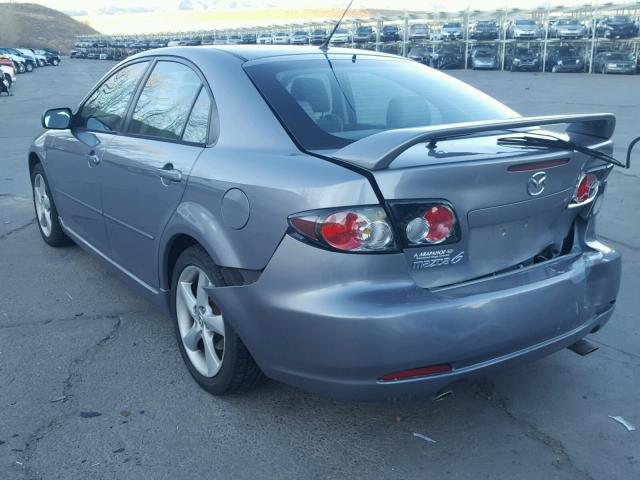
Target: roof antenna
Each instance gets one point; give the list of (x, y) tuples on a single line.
[(325, 45)]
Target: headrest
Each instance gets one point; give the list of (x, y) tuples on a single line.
[(312, 91), (404, 112)]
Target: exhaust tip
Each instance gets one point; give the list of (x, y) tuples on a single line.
[(441, 395), (583, 347)]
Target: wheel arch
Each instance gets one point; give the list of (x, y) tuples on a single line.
[(34, 159)]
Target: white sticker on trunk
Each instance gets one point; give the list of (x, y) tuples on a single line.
[(442, 257)]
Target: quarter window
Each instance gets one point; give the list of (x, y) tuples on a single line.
[(197, 130), (162, 111), (106, 107)]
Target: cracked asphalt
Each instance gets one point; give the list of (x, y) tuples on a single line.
[(92, 384)]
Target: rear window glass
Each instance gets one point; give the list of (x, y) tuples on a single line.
[(329, 104)]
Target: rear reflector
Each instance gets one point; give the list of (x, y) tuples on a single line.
[(416, 372)]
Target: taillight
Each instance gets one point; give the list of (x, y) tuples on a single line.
[(587, 188), (355, 229), (427, 223)]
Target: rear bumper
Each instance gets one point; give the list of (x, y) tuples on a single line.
[(335, 323)]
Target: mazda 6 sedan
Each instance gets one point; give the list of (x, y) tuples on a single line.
[(352, 223)]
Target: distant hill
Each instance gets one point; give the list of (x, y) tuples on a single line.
[(35, 26)]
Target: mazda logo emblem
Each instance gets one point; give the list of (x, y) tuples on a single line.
[(536, 183)]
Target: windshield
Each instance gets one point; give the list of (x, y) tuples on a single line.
[(418, 27), (483, 23), (525, 22), (341, 30), (327, 105), (617, 56), (300, 33), (620, 19), (452, 25), (568, 21)]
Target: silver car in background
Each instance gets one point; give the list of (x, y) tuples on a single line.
[(353, 223), (523, 28)]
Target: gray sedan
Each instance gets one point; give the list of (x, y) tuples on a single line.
[(352, 223)]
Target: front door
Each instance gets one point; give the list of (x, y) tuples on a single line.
[(73, 161)]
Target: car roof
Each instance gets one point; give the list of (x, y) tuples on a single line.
[(255, 52)]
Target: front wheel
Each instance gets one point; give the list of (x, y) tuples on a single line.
[(29, 67), (554, 69), (55, 62), (21, 68), (46, 212), (213, 353)]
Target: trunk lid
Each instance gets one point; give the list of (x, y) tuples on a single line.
[(501, 223)]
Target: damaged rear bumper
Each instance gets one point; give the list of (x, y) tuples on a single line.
[(335, 323)]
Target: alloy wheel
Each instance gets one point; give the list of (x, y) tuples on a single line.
[(200, 322), (43, 204)]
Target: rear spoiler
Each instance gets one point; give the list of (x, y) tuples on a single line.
[(376, 152)]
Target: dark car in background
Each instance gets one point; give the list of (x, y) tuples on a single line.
[(522, 59), (318, 36), (564, 59), (29, 60), (420, 54), (364, 34), (616, 26), (614, 62), (391, 33), (52, 56), (448, 57), (485, 30), (484, 57), (249, 39)]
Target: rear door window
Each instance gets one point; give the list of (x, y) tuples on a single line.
[(163, 108)]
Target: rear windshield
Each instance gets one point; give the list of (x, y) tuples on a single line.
[(525, 22), (327, 105)]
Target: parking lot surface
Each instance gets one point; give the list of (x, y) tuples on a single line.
[(92, 384)]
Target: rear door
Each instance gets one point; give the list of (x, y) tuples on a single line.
[(146, 169), (73, 162)]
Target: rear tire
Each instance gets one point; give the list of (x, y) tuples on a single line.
[(213, 353), (604, 70), (46, 212), (55, 62)]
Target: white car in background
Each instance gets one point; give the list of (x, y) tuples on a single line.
[(281, 38), (341, 36), (264, 39), (8, 72)]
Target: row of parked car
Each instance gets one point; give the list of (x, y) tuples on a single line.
[(14, 61), (565, 58), (612, 27)]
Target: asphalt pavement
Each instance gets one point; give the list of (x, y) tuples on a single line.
[(92, 384)]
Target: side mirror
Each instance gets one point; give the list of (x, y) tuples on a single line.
[(57, 118)]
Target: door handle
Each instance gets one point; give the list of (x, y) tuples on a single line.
[(169, 173), (93, 158)]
